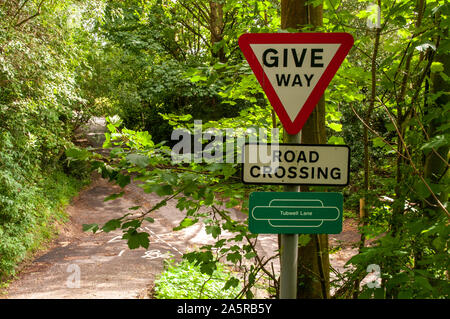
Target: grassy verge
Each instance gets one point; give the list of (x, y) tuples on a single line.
[(29, 213), (185, 281)]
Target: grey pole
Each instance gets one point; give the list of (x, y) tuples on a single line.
[(289, 246)]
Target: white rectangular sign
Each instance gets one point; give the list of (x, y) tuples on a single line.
[(296, 164)]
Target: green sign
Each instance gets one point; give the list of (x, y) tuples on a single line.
[(295, 213)]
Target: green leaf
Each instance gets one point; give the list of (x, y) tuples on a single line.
[(250, 255), (421, 189), (77, 154), (405, 294), (185, 118), (214, 230), (303, 239), (220, 243), (436, 67), (435, 142), (337, 127), (149, 219), (186, 223), (231, 283), (90, 227), (160, 190), (113, 196), (366, 294), (378, 142), (234, 257), (423, 283), (136, 240), (123, 180), (170, 178), (204, 259), (107, 142), (438, 243), (135, 223), (197, 78), (219, 65), (111, 225), (115, 151), (138, 159), (379, 293), (208, 268), (337, 140), (164, 190)]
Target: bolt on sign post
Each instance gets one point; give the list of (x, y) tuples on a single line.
[(294, 69)]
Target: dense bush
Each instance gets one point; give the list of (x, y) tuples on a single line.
[(30, 212), (43, 62), (186, 281), (148, 72)]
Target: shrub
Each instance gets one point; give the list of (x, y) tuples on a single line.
[(184, 280)]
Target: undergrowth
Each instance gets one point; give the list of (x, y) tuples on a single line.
[(184, 280), (29, 213)]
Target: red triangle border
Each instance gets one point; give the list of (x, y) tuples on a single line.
[(245, 40)]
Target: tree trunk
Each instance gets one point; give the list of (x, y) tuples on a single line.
[(399, 206), (364, 211), (436, 161), (216, 25), (313, 258)]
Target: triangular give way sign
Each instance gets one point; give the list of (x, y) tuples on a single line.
[(294, 69)]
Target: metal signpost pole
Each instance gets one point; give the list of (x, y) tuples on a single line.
[(289, 247)]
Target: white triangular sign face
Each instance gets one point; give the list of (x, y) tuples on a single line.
[(294, 78), (294, 69)]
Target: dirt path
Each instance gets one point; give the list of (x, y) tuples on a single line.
[(84, 265), (105, 267)]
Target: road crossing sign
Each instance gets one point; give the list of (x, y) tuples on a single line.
[(296, 164)]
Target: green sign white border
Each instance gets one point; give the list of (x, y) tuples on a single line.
[(259, 225)]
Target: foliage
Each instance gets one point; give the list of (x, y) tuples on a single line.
[(184, 280), (205, 191), (388, 101), (30, 213), (389, 87), (162, 64), (157, 46), (43, 60)]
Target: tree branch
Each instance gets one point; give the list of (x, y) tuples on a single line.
[(31, 17), (20, 9), (413, 165)]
